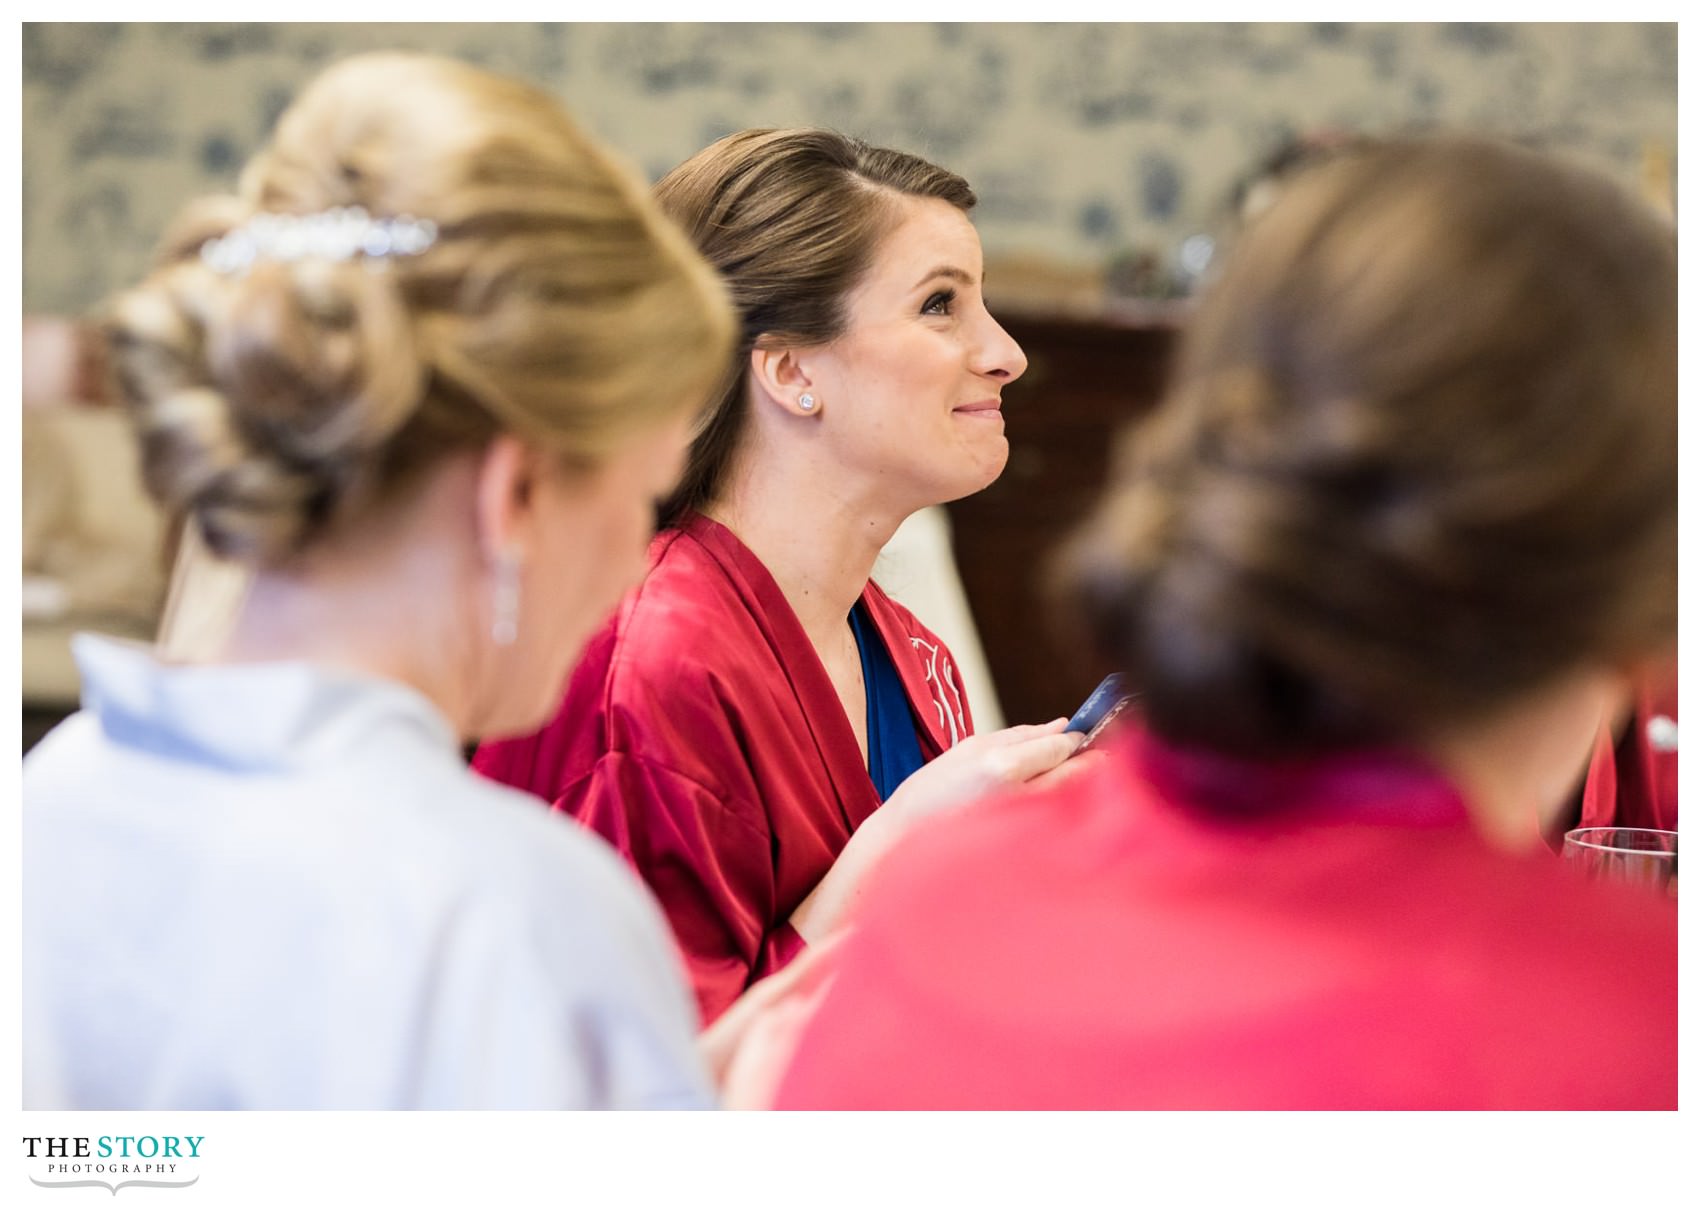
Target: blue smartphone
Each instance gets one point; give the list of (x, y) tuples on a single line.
[(1100, 709)]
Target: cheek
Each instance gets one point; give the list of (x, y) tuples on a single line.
[(893, 365)]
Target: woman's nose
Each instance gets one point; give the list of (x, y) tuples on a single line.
[(1000, 357)]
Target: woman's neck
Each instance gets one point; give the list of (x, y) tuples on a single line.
[(818, 543), (387, 617), (1516, 766)]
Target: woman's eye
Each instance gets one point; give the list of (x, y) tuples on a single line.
[(939, 304)]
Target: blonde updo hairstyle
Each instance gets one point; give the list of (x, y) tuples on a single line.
[(556, 304), (1418, 458)]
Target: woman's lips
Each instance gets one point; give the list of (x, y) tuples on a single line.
[(984, 409)]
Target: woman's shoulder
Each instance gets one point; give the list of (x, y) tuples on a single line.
[(60, 753), (701, 623), (687, 589), (506, 846), (401, 820), (501, 884), (687, 597)]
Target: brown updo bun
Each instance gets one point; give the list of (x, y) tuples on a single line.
[(1418, 458)]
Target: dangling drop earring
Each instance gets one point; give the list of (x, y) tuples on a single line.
[(504, 624)]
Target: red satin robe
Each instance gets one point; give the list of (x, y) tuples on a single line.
[(1173, 931), (702, 737)]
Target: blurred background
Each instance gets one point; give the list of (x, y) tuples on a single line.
[(1113, 163)]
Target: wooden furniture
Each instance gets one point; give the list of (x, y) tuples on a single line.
[(1087, 378)]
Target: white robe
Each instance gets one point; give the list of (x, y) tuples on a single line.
[(277, 886)]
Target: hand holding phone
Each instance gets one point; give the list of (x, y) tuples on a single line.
[(1100, 709)]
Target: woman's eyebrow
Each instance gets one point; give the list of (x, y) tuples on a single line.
[(944, 271)]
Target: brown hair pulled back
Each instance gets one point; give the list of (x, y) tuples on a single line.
[(791, 218), (1418, 458), (557, 304)]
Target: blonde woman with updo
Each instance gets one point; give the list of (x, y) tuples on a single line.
[(424, 375), (760, 724), (1401, 534)]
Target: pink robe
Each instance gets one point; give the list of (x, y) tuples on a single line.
[(702, 737), (1177, 931)]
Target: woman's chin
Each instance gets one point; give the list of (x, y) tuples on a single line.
[(982, 478), (990, 468)]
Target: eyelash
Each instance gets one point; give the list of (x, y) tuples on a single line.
[(943, 299)]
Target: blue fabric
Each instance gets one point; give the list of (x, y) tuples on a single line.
[(894, 748)]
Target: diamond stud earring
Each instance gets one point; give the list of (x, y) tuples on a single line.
[(806, 402)]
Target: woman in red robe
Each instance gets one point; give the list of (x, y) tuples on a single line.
[(736, 725), (1402, 534)]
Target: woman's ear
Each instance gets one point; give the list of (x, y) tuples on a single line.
[(505, 498), (781, 376)]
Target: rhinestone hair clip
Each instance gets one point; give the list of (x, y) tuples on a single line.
[(334, 235)]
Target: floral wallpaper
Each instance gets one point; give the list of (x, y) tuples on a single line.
[(1084, 141)]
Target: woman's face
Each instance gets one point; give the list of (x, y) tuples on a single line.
[(590, 541), (910, 394)]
